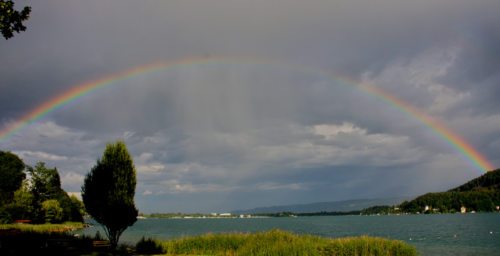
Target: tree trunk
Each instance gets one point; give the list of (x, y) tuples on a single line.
[(113, 237)]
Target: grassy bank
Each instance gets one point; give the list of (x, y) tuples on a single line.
[(48, 239), (278, 242), (43, 228)]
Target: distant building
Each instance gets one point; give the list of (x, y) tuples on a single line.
[(226, 214), (427, 208), (463, 209)]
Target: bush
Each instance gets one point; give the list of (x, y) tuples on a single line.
[(148, 246), (5, 217)]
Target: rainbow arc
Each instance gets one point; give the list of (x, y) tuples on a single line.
[(453, 139)]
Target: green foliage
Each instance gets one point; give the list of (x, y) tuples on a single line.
[(53, 211), (148, 246), (109, 189), (380, 209), (12, 175), (276, 242), (11, 20)]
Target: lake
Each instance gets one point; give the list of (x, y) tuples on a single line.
[(439, 234)]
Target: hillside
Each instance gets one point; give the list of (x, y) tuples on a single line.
[(481, 194), (490, 180)]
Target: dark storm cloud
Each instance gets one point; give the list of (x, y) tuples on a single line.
[(226, 132), (477, 67)]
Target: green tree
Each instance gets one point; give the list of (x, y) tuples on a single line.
[(108, 191), (12, 176), (11, 20), (53, 211), (46, 185), (45, 182), (77, 209), (72, 207), (21, 207)]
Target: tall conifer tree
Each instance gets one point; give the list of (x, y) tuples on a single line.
[(108, 191)]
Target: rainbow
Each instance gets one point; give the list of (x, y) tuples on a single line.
[(454, 140)]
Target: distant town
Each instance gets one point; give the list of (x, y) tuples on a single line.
[(198, 216)]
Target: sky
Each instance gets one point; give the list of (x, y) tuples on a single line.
[(260, 104)]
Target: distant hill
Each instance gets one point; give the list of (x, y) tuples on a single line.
[(336, 206), (480, 194)]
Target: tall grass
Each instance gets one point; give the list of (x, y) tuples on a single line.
[(282, 243), (365, 245)]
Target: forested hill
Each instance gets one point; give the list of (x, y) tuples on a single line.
[(480, 194), (490, 180)]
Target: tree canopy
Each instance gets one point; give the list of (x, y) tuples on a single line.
[(46, 183), (108, 191), (12, 175), (39, 198), (11, 20)]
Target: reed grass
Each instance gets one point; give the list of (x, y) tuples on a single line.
[(282, 243)]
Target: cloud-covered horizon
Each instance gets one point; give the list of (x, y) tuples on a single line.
[(224, 135)]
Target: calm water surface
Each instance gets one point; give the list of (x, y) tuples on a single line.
[(446, 234)]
